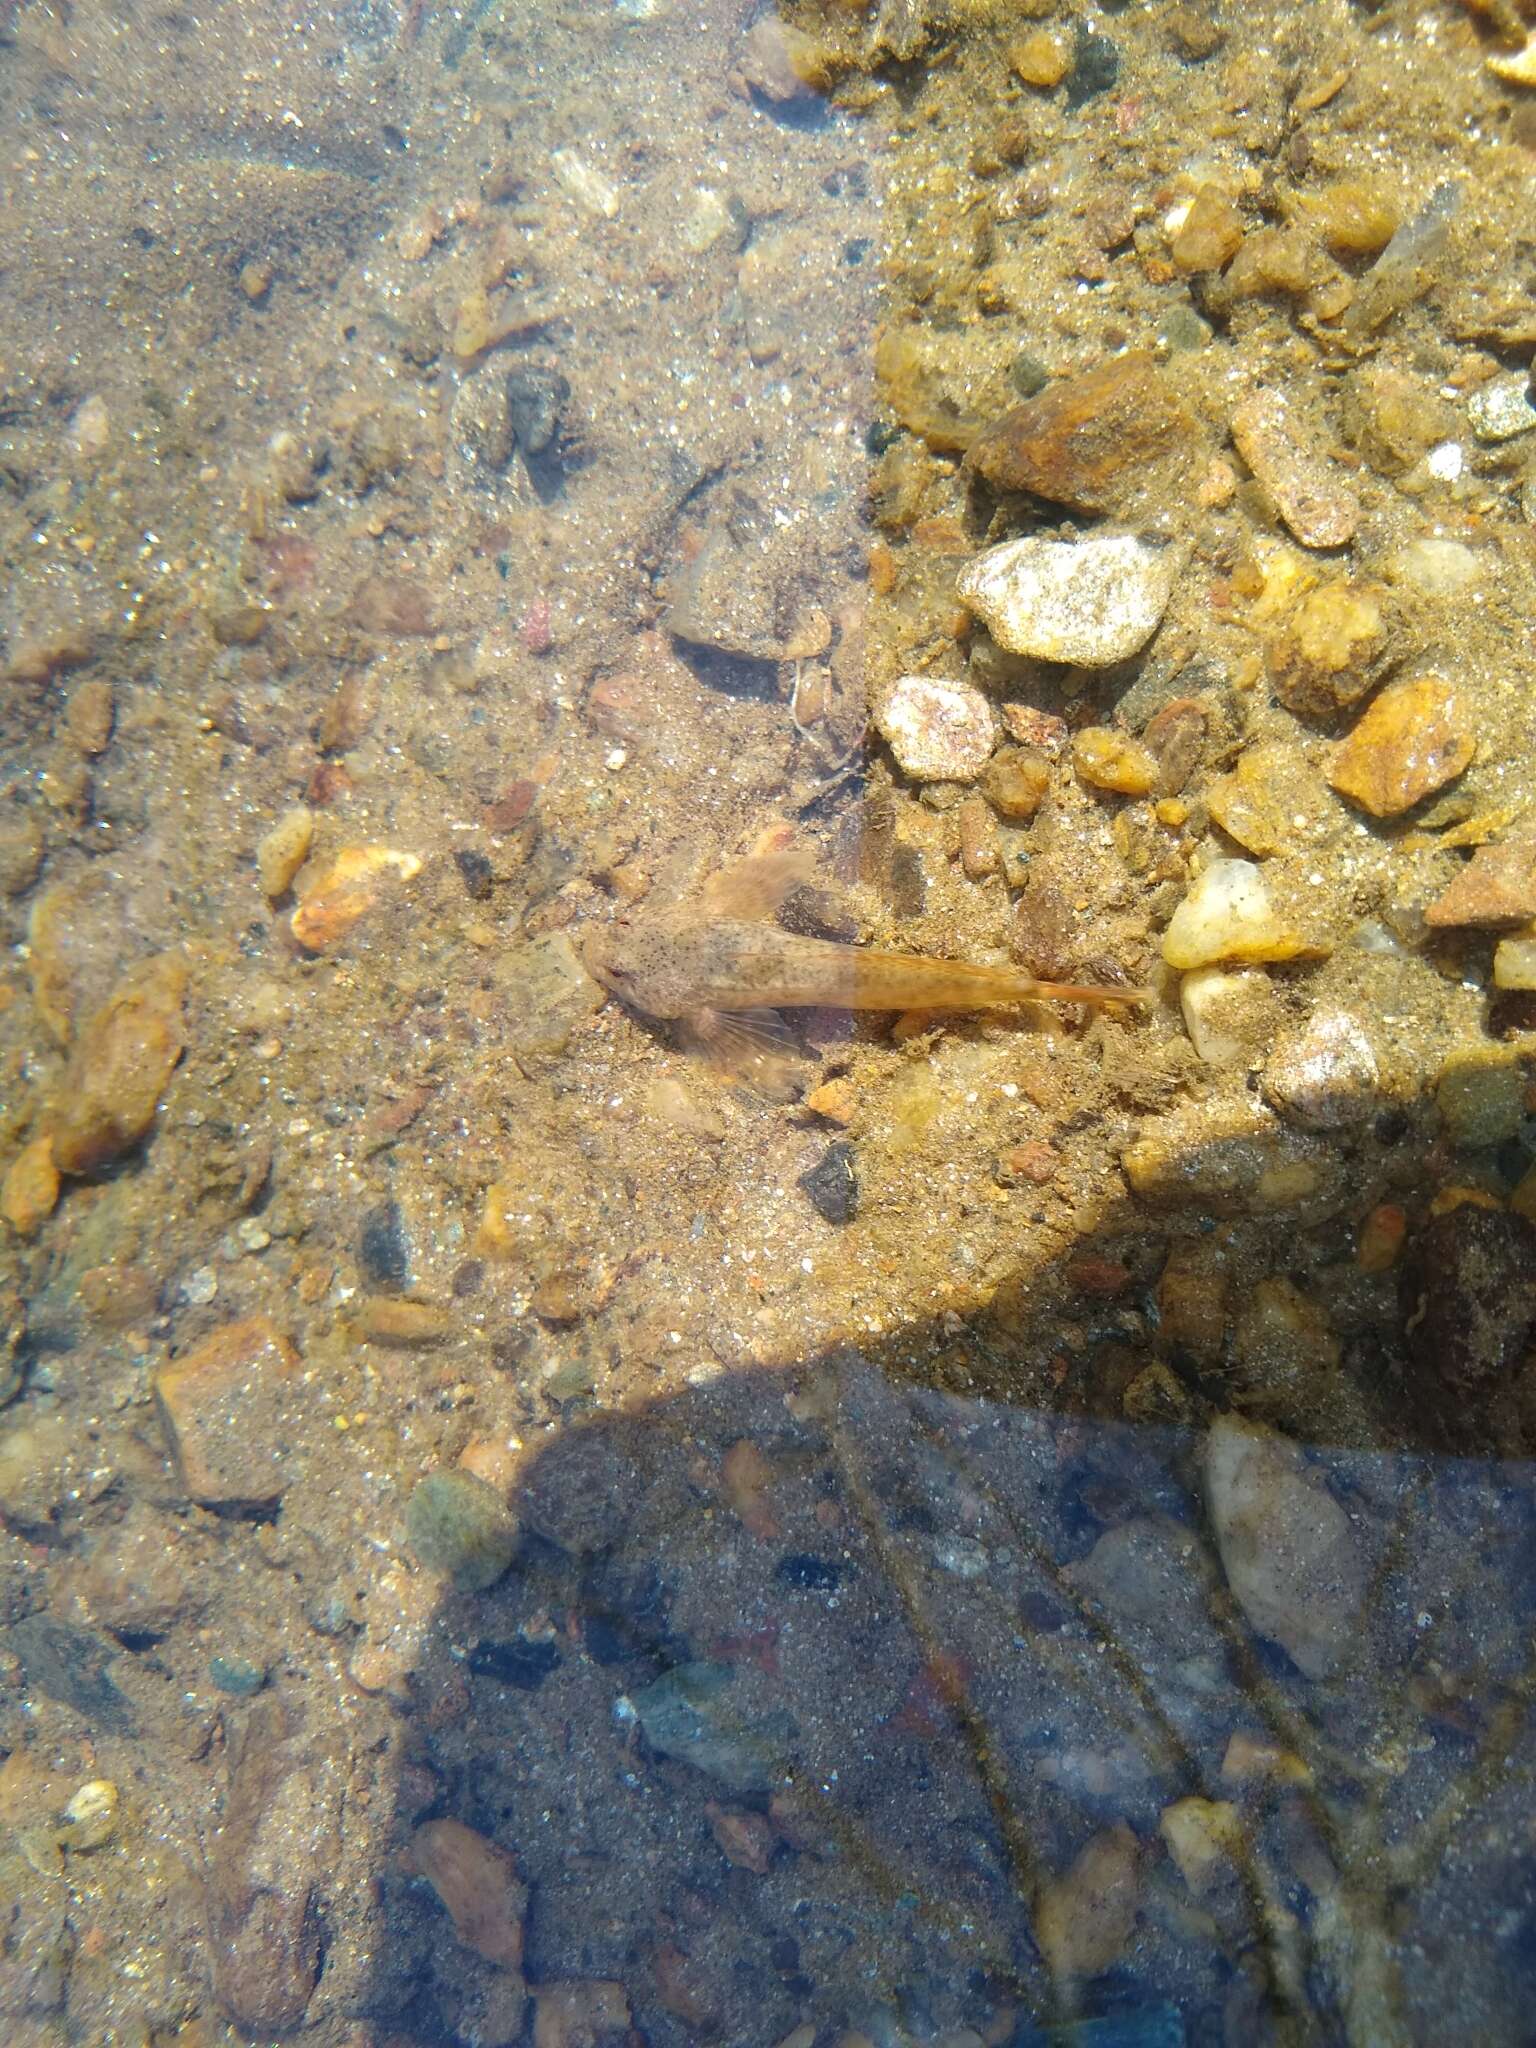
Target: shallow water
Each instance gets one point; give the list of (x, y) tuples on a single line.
[(527, 1521)]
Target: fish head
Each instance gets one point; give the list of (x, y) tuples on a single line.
[(605, 953)]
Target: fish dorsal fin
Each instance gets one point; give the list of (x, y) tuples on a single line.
[(757, 887)]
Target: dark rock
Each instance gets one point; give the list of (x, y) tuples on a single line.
[(833, 1184), (690, 1713), (518, 1663), (536, 399), (72, 1665), (383, 1249), (811, 1574), (476, 872), (578, 1493), (1095, 70)]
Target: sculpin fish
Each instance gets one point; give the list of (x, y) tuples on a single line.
[(724, 970)]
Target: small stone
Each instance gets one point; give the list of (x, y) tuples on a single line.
[(283, 851), (1208, 1841), (1394, 419), (1481, 1096), (21, 852), (1514, 961), (1381, 1238), (1041, 59), (1412, 740), (1230, 1017), (1250, 804), (1090, 602), (836, 1100), (1034, 1164), (402, 1324), (90, 1818), (1496, 887), (1115, 438), (1284, 1346), (939, 731), (833, 1184), (126, 1054), (1435, 567), (31, 1188), (255, 280), (1014, 782), (1333, 650), (1194, 32), (39, 657), (1192, 1304), (478, 1887), (238, 625), (1227, 915), (1353, 218), (1289, 1552), (1210, 234), (1109, 760), (693, 1712), (348, 715), (1309, 493), (1502, 408), (1325, 1077), (1175, 737), (1084, 1920), (457, 1524), (88, 715), (978, 838), (237, 1676), (480, 424), (1467, 1298), (344, 890), (1518, 68), (225, 1410), (582, 2013)]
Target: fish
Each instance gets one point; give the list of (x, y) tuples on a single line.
[(723, 970)]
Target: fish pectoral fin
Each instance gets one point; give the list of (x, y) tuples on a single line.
[(758, 886), (753, 1047)]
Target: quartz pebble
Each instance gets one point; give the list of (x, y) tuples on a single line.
[(1211, 232), (224, 1410), (1309, 494), (1207, 1839), (1501, 409), (1496, 887), (344, 890), (1228, 915), (1290, 1555), (939, 731), (1109, 760), (1230, 1015), (1090, 602), (1111, 439), (1412, 740), (1325, 1076), (1514, 960)]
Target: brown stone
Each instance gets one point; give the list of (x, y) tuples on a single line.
[(224, 1410), (1112, 761), (125, 1056), (334, 897), (1334, 649), (88, 715), (1104, 441), (31, 1188), (583, 2013), (1309, 492), (1014, 782), (478, 1885), (1411, 740), (1210, 234), (1175, 735), (1496, 887)]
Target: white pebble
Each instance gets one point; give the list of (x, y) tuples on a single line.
[(1089, 602), (939, 731), (1227, 915)]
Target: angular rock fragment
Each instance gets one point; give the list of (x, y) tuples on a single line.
[(1291, 1556), (1112, 439), (478, 1886), (1308, 491), (1412, 740), (336, 896), (1090, 602), (1496, 887), (1228, 915), (939, 731), (125, 1055), (1336, 646), (224, 1410), (1085, 1918)]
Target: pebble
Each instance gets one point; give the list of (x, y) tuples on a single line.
[(1518, 67), (457, 1524), (31, 1188), (225, 1412), (1041, 59), (1192, 1303), (1334, 648), (1090, 602), (91, 1817), (477, 1885), (1110, 439), (1496, 887), (1324, 1077), (1288, 1549), (1411, 740), (1250, 804), (1480, 1095), (126, 1053), (1308, 491), (1110, 760), (1230, 1016), (1208, 1841), (283, 851), (400, 1323), (1210, 234), (1502, 408), (238, 1676), (21, 852), (939, 731), (833, 1184), (837, 1100), (1284, 1347), (1434, 566), (88, 715), (1228, 915), (1084, 1919), (689, 1713), (1014, 782), (1467, 1297), (337, 895), (1381, 1238), (1514, 961)]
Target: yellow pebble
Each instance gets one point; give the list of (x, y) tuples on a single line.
[(1042, 59)]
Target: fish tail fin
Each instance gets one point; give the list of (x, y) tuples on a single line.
[(1079, 992)]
